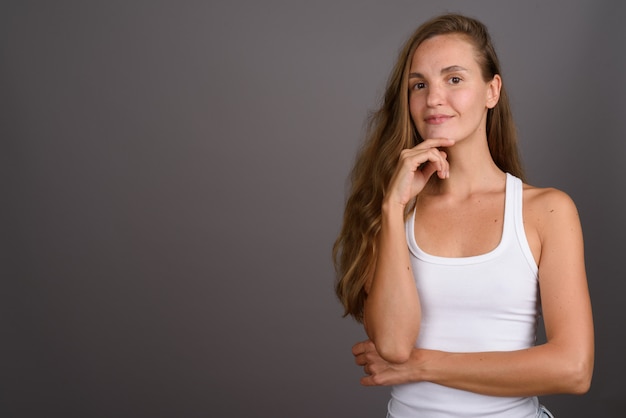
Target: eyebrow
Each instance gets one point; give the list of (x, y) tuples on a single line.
[(450, 69)]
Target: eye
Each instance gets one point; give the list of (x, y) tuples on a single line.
[(418, 86), (455, 80)]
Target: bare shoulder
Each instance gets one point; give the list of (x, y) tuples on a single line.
[(547, 201), (548, 210)]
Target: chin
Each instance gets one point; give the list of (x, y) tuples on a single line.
[(433, 133)]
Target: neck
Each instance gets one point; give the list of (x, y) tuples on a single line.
[(472, 169)]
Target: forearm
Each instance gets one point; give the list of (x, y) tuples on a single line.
[(540, 370), (392, 309)]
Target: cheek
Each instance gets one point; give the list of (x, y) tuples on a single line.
[(470, 100), (415, 108)]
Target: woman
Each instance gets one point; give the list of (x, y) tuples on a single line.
[(447, 257)]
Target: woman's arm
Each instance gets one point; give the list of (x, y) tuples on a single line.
[(391, 312), (564, 364)]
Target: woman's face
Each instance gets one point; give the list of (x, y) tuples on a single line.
[(448, 97)]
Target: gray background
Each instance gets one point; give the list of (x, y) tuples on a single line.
[(173, 178)]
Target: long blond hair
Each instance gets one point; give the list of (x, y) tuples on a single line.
[(389, 131)]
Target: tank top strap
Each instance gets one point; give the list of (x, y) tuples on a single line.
[(510, 210), (514, 203)]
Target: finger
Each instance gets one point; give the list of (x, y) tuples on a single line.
[(371, 381), (435, 143), (369, 345), (445, 171), (367, 381), (413, 158), (362, 347), (358, 348), (435, 160), (360, 360)]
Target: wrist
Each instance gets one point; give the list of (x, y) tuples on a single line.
[(392, 207), (423, 365)]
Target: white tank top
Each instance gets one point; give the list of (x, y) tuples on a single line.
[(487, 302)]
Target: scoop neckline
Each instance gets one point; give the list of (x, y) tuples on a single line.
[(472, 259)]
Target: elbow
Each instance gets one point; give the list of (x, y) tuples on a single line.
[(583, 382), (578, 378), (580, 386), (394, 353), (394, 348), (391, 346)]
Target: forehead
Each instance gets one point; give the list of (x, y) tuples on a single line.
[(442, 51)]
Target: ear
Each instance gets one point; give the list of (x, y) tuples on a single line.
[(493, 91)]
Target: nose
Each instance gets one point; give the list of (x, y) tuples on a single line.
[(435, 96)]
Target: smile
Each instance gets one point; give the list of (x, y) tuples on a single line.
[(437, 119)]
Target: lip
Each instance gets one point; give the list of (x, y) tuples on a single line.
[(437, 119)]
